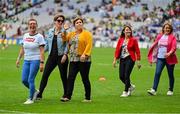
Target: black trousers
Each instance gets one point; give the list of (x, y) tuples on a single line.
[(83, 68), (125, 68), (51, 63)]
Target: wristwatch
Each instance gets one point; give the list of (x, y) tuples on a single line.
[(41, 61)]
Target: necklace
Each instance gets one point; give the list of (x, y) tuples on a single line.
[(56, 32), (126, 40)]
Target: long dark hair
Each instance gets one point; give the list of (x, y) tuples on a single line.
[(123, 30)]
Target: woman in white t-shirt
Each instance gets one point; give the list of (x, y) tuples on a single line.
[(33, 51)]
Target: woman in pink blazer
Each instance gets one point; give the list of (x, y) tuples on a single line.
[(163, 53)]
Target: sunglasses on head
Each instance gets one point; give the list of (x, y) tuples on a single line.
[(60, 20)]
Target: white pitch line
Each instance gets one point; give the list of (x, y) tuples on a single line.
[(13, 111)]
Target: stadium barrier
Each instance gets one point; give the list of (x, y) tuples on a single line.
[(17, 41), (11, 41), (114, 43)]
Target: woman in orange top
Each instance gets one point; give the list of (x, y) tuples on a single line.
[(80, 46)]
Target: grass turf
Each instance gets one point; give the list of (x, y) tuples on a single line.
[(105, 94)]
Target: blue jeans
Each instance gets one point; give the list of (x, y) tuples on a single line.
[(159, 67), (29, 72)]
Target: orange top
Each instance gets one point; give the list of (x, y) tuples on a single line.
[(84, 42)]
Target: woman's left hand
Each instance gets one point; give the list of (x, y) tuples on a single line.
[(63, 58), (66, 26), (83, 58), (138, 64), (167, 55)]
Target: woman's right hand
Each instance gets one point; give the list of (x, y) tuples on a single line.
[(17, 63), (114, 63)]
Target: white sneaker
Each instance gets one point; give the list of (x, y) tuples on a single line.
[(29, 101), (125, 94), (170, 93), (35, 95), (131, 89), (65, 99), (86, 101), (151, 91)]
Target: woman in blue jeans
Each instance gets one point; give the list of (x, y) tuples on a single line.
[(33, 51), (163, 52)]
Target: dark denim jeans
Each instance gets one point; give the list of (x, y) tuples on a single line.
[(125, 69), (159, 67), (51, 64)]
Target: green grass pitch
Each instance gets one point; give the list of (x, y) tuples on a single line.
[(105, 94)]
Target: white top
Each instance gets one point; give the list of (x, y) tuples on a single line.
[(31, 46), (162, 46), (124, 52)]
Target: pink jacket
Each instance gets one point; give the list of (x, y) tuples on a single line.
[(172, 59)]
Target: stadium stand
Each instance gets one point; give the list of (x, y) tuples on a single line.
[(104, 18)]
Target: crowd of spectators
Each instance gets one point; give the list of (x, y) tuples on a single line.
[(108, 24), (9, 8)]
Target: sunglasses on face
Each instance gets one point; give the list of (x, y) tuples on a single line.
[(60, 21)]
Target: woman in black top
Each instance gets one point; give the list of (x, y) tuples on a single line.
[(57, 47)]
